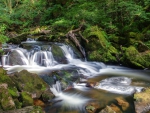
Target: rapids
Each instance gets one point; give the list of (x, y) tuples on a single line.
[(43, 58)]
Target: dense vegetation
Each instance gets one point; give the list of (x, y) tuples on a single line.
[(122, 22)]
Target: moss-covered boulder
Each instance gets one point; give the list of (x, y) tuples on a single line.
[(133, 58), (58, 54), (104, 55), (29, 82), (96, 37), (98, 47), (19, 89)]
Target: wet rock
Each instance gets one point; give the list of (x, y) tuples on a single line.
[(115, 108), (91, 84), (15, 58), (92, 107), (122, 103), (29, 109), (107, 109), (58, 54), (38, 102), (142, 101), (47, 95)]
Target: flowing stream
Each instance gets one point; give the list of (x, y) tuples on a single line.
[(109, 81)]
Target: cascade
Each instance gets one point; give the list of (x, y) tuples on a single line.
[(40, 58)]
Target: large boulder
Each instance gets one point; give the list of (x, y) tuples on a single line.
[(133, 58), (98, 47), (29, 82), (58, 54)]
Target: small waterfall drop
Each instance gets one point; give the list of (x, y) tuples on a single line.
[(40, 55), (56, 88)]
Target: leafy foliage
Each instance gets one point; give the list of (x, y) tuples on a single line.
[(115, 17)]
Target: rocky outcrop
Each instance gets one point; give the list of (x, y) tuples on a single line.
[(98, 48), (20, 89), (142, 101), (30, 83), (134, 58)]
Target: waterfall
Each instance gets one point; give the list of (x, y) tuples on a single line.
[(68, 52), (4, 60), (39, 54), (42, 58), (56, 88)]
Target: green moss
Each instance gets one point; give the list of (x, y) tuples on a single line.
[(18, 104), (95, 56), (132, 34), (26, 99), (133, 58), (29, 82), (104, 55), (99, 34), (13, 91), (6, 100), (56, 50), (4, 78)]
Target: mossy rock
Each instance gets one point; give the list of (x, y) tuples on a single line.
[(26, 99), (29, 82), (47, 95), (98, 48), (97, 37), (133, 58), (94, 56), (137, 36), (6, 100), (107, 109), (58, 54), (142, 47), (104, 55), (4, 78), (14, 92), (18, 39), (18, 103), (142, 100)]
